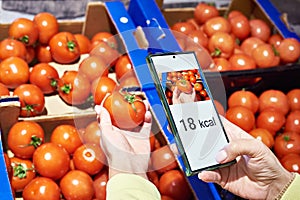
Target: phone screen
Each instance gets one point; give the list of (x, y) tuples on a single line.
[(190, 110)]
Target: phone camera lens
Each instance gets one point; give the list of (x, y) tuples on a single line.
[(174, 57)]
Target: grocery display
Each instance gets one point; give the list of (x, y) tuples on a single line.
[(51, 77)]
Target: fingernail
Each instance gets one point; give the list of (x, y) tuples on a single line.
[(221, 156)]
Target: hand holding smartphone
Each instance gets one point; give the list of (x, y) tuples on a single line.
[(189, 107)]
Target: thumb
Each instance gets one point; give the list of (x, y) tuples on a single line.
[(104, 118), (249, 147)]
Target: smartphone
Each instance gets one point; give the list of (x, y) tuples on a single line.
[(190, 110)]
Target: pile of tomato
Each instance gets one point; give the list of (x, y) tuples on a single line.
[(234, 41), (272, 117)]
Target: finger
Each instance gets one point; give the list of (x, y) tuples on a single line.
[(176, 92), (210, 176), (147, 104), (104, 118), (148, 117)]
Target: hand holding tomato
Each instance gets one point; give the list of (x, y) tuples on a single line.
[(132, 147), (182, 97)]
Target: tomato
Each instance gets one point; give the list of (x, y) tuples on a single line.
[(23, 173), (153, 177), (198, 37), (45, 76), (198, 86), (289, 50), (184, 86), (101, 87), (43, 53), (41, 188), (260, 29), (221, 44), (264, 56), (4, 91), (220, 108), (77, 185), (92, 133), (293, 121), (249, 44), (93, 67), (129, 80), (216, 24), (99, 182), (192, 21), (270, 119), (234, 13), (285, 143), (10, 47), (242, 62), (244, 98), (30, 55), (242, 117), (263, 135), (67, 136), (109, 54), (24, 137), (123, 65), (174, 185), (240, 26), (163, 159), (14, 72), (73, 87), (183, 27), (203, 56), (84, 43), (294, 99), (274, 99), (291, 162), (220, 64), (51, 160), (275, 40), (104, 36), (204, 12), (64, 48), (164, 197), (89, 158), (47, 25), (32, 100), (24, 30), (127, 111)]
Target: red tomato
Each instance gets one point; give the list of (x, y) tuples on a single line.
[(184, 86), (127, 111), (285, 143), (263, 135), (260, 29), (30, 55), (216, 24), (164, 197), (240, 26), (198, 86), (275, 40), (43, 53), (192, 21), (203, 56), (234, 13), (221, 44), (289, 50), (183, 27), (77, 185), (294, 99), (197, 37), (204, 12), (41, 188), (51, 161), (10, 47), (23, 173), (99, 182), (104, 36), (109, 54), (249, 44), (242, 117), (264, 56), (32, 100), (242, 62), (128, 80), (45, 76), (89, 158), (74, 88), (92, 133), (174, 185), (14, 72), (244, 98), (220, 64), (64, 48), (84, 43), (101, 87), (67, 136), (220, 108), (153, 177), (47, 25), (292, 123), (24, 30), (4, 91), (123, 65), (291, 162), (93, 67), (24, 137), (163, 160), (270, 119), (274, 99)]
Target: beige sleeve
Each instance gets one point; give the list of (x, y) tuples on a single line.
[(130, 186), (293, 191)]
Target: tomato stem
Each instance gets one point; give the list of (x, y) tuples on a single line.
[(71, 45), (66, 88), (20, 171), (35, 141), (25, 39), (216, 53), (286, 138)]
